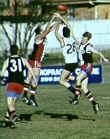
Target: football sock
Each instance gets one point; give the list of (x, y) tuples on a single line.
[(71, 89), (13, 114), (10, 114), (33, 91), (26, 89), (90, 97), (78, 91)]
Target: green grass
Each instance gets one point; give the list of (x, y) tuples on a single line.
[(55, 118)]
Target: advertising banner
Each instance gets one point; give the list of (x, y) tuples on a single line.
[(51, 75)]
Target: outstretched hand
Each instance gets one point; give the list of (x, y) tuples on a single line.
[(57, 15), (106, 60)]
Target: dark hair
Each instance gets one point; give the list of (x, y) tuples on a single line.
[(66, 32), (14, 49), (88, 35), (38, 30)]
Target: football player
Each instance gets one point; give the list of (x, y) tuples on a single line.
[(15, 65)]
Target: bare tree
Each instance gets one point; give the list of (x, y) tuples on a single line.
[(20, 34)]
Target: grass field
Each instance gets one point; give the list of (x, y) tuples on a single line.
[(55, 118)]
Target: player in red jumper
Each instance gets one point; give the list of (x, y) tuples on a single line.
[(35, 60)]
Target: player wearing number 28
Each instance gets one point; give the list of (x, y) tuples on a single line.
[(67, 43)]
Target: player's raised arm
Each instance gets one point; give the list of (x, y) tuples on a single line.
[(51, 21), (66, 23), (48, 29), (58, 36), (100, 54)]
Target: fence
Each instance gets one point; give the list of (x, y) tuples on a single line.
[(99, 28)]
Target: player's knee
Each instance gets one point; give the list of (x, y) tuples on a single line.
[(33, 87), (11, 107), (61, 82), (78, 79), (84, 89)]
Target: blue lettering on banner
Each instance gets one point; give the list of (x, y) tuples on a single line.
[(51, 75)]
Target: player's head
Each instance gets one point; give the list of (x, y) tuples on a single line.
[(86, 37), (13, 49), (38, 30), (66, 32)]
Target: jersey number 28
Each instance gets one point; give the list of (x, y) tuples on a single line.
[(71, 49)]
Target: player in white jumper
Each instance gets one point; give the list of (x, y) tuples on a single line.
[(67, 43)]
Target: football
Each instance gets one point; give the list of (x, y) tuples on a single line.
[(62, 7)]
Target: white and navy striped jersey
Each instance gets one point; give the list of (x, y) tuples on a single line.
[(85, 53)]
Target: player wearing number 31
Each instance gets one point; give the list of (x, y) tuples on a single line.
[(15, 66)]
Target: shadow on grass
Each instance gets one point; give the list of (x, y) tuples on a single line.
[(65, 116), (26, 117)]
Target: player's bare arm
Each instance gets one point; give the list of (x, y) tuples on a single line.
[(51, 21), (100, 54), (58, 36), (5, 65), (66, 23), (48, 29)]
